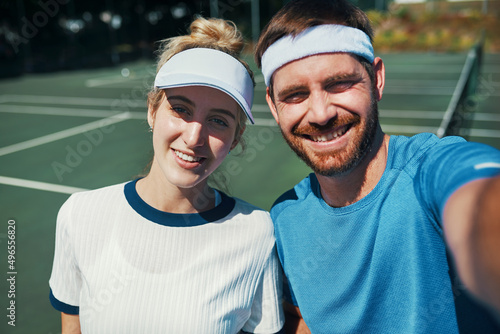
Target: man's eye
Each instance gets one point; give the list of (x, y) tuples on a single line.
[(340, 86), (295, 97)]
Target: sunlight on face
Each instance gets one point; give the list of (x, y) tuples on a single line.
[(194, 129), (326, 110)]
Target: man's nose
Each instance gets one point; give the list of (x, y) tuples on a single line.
[(321, 109)]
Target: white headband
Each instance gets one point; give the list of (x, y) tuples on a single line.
[(324, 38), (211, 68)]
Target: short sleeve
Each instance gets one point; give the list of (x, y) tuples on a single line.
[(267, 312), (448, 167), (65, 280)]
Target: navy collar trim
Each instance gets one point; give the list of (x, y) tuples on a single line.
[(177, 219)]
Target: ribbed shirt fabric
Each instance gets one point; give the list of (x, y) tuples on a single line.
[(126, 267), (380, 265)]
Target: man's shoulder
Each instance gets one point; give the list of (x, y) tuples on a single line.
[(428, 147), (421, 141), (405, 149), (299, 193)]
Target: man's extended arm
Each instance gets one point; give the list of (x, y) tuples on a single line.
[(472, 230), (294, 323)]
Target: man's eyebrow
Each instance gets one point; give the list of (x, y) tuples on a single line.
[(344, 76), (182, 98), (290, 89)]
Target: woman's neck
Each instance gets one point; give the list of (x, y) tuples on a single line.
[(157, 192)]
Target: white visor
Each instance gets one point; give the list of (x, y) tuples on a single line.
[(210, 68), (325, 38)]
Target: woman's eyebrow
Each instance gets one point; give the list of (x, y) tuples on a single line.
[(188, 101), (225, 112), (182, 98)]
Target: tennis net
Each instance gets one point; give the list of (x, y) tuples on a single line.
[(463, 103)]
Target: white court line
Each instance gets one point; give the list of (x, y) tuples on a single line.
[(429, 69), (257, 108), (11, 181), (106, 81), (64, 134), (482, 133), (407, 90), (88, 101), (63, 111), (407, 129), (486, 117), (403, 129), (270, 122), (420, 114), (261, 108), (421, 82), (395, 113)]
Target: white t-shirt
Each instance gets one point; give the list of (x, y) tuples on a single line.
[(126, 267)]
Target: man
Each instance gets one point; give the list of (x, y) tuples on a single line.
[(370, 241)]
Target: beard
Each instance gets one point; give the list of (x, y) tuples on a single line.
[(336, 162)]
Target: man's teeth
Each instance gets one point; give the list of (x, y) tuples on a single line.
[(186, 157), (329, 136)]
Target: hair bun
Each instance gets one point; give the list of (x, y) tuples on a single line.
[(217, 33)]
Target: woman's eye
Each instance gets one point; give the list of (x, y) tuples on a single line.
[(180, 111), (220, 122)]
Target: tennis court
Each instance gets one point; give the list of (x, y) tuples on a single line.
[(64, 132)]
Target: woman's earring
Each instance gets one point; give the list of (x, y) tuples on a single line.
[(150, 128)]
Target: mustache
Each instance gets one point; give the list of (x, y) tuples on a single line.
[(307, 129)]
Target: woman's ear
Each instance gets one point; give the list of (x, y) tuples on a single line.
[(237, 137), (151, 116)]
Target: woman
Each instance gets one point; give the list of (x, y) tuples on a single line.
[(167, 253)]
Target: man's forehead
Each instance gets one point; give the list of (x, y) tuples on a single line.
[(315, 40), (317, 68)]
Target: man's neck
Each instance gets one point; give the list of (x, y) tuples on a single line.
[(346, 189)]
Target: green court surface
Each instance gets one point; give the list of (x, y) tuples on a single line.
[(64, 132)]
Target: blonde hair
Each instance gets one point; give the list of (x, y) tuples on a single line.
[(209, 33)]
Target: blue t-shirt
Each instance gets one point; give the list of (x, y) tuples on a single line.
[(380, 265)]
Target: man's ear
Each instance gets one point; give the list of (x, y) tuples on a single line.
[(379, 70), (272, 106)]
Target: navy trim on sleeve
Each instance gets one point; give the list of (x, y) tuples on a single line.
[(63, 307)]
